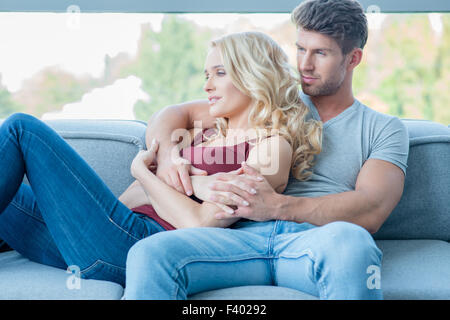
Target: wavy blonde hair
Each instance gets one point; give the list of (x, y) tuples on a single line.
[(260, 69)]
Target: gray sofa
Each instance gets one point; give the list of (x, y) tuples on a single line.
[(414, 239)]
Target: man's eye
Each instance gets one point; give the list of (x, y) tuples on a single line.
[(322, 53)]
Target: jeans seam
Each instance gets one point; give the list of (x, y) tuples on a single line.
[(97, 262), (308, 253), (270, 252), (82, 183), (25, 211), (175, 274)]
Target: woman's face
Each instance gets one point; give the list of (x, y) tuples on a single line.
[(225, 100)]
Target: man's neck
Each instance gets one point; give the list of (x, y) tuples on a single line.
[(331, 106)]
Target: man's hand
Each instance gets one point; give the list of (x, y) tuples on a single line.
[(203, 192), (262, 199)]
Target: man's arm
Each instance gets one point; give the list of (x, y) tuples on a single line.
[(378, 189), (161, 126)]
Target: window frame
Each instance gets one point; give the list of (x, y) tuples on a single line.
[(205, 6)]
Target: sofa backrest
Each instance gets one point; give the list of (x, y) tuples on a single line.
[(424, 209), (109, 146), (422, 213)]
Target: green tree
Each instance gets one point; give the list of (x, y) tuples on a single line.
[(170, 64), (51, 89), (7, 104), (406, 65)]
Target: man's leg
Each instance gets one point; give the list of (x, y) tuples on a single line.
[(335, 261), (180, 263)]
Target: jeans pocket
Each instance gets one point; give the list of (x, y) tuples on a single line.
[(101, 270)]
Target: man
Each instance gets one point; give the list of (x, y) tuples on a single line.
[(315, 237)]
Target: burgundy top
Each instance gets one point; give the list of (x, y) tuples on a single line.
[(211, 159)]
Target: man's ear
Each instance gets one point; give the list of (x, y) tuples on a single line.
[(355, 57)]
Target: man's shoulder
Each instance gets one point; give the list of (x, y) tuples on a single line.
[(379, 120)]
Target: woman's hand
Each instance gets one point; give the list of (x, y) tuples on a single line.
[(145, 160), (176, 173)]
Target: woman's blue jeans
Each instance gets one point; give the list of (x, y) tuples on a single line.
[(337, 261), (66, 215)]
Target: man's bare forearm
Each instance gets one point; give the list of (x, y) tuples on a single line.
[(351, 206)]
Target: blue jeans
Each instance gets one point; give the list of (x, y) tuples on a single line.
[(67, 215), (334, 261)]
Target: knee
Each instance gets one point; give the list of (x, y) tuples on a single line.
[(350, 241), (143, 252), (152, 252), (19, 119)]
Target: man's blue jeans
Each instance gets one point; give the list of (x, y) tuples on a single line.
[(335, 261), (67, 215)]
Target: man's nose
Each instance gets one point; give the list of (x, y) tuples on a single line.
[(305, 63)]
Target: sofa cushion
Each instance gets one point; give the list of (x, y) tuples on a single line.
[(411, 269), (415, 269), (253, 293), (424, 209), (21, 278)]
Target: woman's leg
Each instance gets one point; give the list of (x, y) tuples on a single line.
[(90, 226), (23, 229)]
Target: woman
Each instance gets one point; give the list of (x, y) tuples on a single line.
[(57, 220), (253, 94)]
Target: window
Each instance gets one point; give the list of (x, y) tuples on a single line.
[(88, 61)]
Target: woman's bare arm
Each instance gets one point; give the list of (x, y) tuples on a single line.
[(171, 205), (163, 126), (271, 157)]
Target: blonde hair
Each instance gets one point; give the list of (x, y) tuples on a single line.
[(260, 69)]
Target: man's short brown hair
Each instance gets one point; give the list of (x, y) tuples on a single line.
[(342, 20)]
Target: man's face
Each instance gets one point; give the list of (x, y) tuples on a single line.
[(320, 62)]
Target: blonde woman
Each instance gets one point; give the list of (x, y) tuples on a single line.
[(66, 203), (253, 94), (260, 119)]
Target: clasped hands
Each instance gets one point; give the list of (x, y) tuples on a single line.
[(243, 193)]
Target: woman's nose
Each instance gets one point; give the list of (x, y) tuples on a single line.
[(208, 85)]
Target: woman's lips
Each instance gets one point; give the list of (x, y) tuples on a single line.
[(213, 100)]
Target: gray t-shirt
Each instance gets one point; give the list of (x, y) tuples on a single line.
[(349, 139)]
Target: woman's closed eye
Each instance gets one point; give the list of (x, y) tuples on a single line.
[(219, 73)]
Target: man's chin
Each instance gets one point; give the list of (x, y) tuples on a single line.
[(317, 91), (308, 90)]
